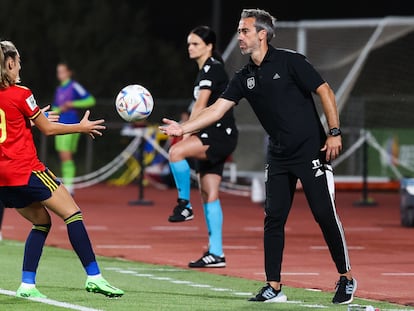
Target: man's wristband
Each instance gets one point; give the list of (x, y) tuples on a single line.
[(335, 131)]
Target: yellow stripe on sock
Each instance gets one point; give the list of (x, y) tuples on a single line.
[(44, 228), (73, 218)]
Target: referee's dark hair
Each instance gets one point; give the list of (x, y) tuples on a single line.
[(209, 37)]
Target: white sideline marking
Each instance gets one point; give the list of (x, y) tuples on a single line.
[(109, 246), (174, 281), (398, 273), (161, 278), (210, 287), (174, 228), (315, 306), (150, 269), (180, 282), (201, 285), (50, 302)]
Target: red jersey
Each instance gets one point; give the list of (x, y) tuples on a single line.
[(18, 155)]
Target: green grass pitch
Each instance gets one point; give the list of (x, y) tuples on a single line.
[(147, 287)]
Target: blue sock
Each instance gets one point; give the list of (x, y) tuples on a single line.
[(81, 243), (32, 251), (214, 220), (207, 218), (182, 174)]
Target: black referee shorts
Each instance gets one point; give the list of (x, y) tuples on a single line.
[(222, 141), (39, 188)]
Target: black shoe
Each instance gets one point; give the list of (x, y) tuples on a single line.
[(345, 290), (208, 261), (181, 212), (269, 294)]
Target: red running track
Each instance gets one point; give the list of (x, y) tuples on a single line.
[(381, 250)]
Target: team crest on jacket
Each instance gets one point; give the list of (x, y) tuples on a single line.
[(251, 83)]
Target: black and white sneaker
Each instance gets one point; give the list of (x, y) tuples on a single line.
[(269, 294), (208, 261), (181, 212), (344, 291)]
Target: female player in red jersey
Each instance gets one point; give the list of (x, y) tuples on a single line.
[(29, 187)]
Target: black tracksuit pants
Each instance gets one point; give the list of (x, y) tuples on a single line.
[(317, 180)]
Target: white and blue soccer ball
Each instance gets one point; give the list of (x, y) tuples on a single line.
[(134, 103)]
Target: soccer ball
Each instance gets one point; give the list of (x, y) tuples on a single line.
[(134, 103)]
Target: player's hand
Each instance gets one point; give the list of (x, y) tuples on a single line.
[(171, 128), (52, 116), (90, 127), (332, 147)]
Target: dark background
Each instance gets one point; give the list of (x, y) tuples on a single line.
[(111, 43)]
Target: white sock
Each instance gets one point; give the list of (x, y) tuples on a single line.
[(27, 285), (96, 276)]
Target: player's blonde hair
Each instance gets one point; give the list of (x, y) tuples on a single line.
[(7, 50)]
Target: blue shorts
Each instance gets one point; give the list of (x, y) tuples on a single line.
[(40, 187)]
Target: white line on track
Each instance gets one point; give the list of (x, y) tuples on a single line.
[(258, 229), (364, 229), (398, 273), (89, 228), (50, 302), (292, 273), (174, 228), (114, 246), (323, 247), (243, 247)]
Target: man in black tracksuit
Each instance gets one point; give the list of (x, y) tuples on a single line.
[(278, 84)]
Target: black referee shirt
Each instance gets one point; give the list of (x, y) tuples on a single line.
[(213, 76), (280, 93)]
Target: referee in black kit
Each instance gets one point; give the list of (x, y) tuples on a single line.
[(278, 84)]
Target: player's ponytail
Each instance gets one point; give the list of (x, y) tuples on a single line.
[(7, 49), (209, 37)]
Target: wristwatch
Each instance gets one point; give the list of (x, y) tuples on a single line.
[(335, 131)]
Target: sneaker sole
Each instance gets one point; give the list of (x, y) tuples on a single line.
[(213, 265), (282, 298), (29, 296), (352, 296), (186, 219), (100, 291)]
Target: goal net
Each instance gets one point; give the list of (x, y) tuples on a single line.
[(369, 64)]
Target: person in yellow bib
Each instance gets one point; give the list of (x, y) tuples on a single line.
[(70, 97)]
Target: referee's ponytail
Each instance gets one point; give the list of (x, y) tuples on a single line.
[(7, 50), (209, 37)]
